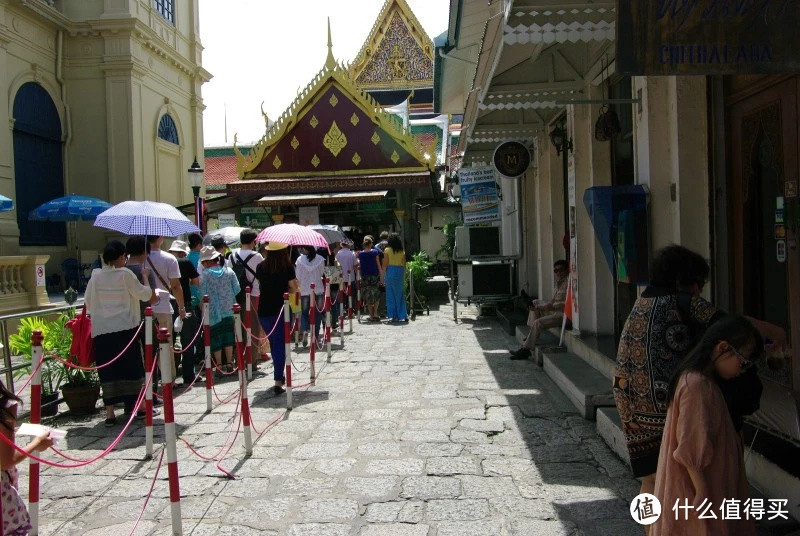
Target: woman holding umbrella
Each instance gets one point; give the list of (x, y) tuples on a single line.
[(112, 299), (276, 276)]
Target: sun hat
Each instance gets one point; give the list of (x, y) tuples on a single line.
[(208, 253), (276, 246), (180, 246)]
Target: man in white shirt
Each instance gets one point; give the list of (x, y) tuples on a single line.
[(251, 260), (168, 280), (309, 269), (347, 260)]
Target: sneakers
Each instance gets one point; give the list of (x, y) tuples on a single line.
[(305, 339), (522, 353)]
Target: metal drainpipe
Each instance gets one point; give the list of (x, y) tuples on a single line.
[(63, 87)]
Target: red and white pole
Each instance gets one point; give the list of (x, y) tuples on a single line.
[(169, 431), (288, 343), (36, 418), (207, 355), (249, 333), (350, 300), (148, 381), (237, 330), (312, 315), (328, 316), (358, 292), (342, 293)]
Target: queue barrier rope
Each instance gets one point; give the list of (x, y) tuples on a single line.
[(30, 378), (194, 339), (149, 493), (279, 321), (104, 365)]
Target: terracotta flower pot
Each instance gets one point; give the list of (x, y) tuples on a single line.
[(81, 399)]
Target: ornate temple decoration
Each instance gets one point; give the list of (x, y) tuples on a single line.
[(333, 101), (354, 119), (397, 53), (375, 138), (277, 162), (395, 157), (315, 161), (313, 122), (334, 140), (295, 142), (356, 159)]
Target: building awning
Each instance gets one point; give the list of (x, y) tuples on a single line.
[(320, 199), (339, 183), (220, 203)]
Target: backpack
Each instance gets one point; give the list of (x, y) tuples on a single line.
[(240, 268)]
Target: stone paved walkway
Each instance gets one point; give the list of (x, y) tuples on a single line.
[(420, 429)]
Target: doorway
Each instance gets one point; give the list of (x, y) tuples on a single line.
[(762, 123)]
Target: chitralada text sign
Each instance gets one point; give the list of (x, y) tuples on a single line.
[(479, 200), (707, 37)]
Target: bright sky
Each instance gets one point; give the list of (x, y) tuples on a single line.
[(266, 50)]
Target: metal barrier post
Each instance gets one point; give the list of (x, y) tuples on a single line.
[(341, 296), (237, 330), (148, 381), (312, 315), (36, 418), (328, 316), (358, 293), (169, 432), (288, 342), (350, 300), (207, 356), (249, 333)]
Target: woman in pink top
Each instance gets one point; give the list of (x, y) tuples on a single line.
[(701, 463)]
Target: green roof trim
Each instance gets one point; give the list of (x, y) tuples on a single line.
[(224, 151)]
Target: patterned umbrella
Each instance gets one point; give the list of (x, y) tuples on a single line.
[(145, 218), (292, 234), (6, 204), (69, 208)]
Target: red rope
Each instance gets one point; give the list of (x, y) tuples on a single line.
[(30, 378), (194, 339), (149, 494), (224, 443), (277, 322), (73, 365)]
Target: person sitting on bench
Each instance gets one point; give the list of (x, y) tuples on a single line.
[(545, 314)]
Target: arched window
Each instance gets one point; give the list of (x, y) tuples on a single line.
[(167, 130), (38, 164)]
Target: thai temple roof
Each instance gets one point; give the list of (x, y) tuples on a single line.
[(334, 129), (397, 54)]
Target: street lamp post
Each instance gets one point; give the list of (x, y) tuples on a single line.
[(196, 180)]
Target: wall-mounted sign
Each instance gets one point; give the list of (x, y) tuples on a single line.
[(780, 250), (511, 159), (226, 220), (780, 231), (707, 37), (479, 200), (40, 279)]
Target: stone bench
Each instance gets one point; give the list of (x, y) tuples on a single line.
[(585, 387)]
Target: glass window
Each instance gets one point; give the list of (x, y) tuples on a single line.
[(166, 8), (167, 130)]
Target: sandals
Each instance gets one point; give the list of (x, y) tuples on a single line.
[(277, 389), (111, 421)]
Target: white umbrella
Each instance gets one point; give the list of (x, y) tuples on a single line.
[(145, 218)]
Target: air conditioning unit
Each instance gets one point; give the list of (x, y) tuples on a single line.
[(472, 242), (485, 279)]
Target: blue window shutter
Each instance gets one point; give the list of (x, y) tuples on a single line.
[(167, 130)]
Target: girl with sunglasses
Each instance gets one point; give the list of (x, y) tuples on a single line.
[(701, 459)]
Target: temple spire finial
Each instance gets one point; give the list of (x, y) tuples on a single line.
[(330, 63)]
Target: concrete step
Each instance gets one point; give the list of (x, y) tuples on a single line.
[(598, 351), (586, 388), (609, 426), (510, 319)]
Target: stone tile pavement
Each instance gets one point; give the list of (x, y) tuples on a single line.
[(419, 429)]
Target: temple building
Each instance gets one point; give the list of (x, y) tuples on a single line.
[(360, 146)]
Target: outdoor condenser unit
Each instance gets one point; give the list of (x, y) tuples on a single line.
[(472, 242), (485, 279)]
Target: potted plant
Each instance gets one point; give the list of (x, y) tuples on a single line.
[(418, 269), (80, 388), (20, 344)]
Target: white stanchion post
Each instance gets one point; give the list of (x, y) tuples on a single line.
[(350, 301), (358, 293), (207, 346), (312, 315), (342, 295), (148, 381), (249, 333), (169, 432), (237, 330), (328, 316), (35, 418), (287, 338)]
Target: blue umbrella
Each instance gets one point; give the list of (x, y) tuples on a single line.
[(145, 218), (70, 208), (6, 204)]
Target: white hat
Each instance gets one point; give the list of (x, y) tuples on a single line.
[(208, 253), (180, 246)]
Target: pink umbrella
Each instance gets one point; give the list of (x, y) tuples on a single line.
[(292, 234)]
